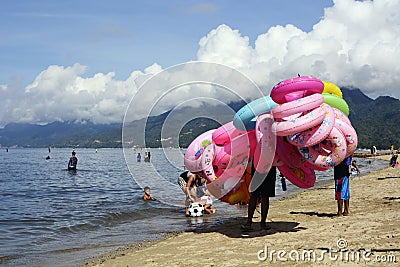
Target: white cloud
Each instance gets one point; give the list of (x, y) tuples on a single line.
[(356, 43), (62, 94), (226, 46)]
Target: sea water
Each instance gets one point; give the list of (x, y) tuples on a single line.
[(50, 216)]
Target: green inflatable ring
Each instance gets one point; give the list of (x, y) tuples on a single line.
[(336, 102)]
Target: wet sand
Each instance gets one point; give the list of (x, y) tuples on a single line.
[(304, 231)]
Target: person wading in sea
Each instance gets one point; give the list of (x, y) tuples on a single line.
[(73, 161)]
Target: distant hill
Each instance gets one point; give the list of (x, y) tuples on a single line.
[(375, 120), (60, 134)]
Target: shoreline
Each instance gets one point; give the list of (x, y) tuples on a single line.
[(303, 220)]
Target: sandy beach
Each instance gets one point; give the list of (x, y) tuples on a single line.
[(304, 231)]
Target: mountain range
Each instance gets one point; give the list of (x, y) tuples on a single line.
[(375, 120)]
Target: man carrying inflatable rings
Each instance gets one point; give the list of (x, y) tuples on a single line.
[(265, 191)]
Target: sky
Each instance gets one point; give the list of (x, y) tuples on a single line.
[(85, 60)]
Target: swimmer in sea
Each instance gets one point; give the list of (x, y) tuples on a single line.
[(147, 194)]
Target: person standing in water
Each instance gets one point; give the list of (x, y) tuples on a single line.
[(73, 161), (146, 157)]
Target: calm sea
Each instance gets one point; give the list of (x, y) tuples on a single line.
[(50, 216)]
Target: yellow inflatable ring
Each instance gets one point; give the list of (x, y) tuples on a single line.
[(332, 88)]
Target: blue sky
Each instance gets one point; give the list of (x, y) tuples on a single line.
[(123, 36), (88, 58)]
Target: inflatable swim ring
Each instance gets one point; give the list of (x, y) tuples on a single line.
[(223, 154), (288, 153), (302, 177), (296, 88), (350, 134), (332, 88), (316, 168), (302, 123), (230, 163), (330, 152), (265, 150), (252, 110), (341, 116), (297, 106), (277, 162), (225, 133), (336, 102), (317, 133), (192, 159), (240, 193), (207, 159)]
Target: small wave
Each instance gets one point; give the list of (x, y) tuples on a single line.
[(114, 218), (84, 248), (25, 221)]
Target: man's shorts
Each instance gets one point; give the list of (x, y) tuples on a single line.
[(267, 188), (342, 188)]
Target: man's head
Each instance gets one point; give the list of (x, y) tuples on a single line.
[(73, 153)]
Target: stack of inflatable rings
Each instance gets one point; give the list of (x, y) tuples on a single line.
[(301, 127)]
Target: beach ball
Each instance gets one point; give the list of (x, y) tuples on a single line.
[(196, 209)]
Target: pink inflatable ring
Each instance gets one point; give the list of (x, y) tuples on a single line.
[(265, 150), (300, 105), (303, 177), (316, 134), (192, 159), (296, 88), (224, 134), (328, 153), (299, 124)]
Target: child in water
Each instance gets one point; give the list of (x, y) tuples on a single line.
[(355, 170), (147, 194)]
